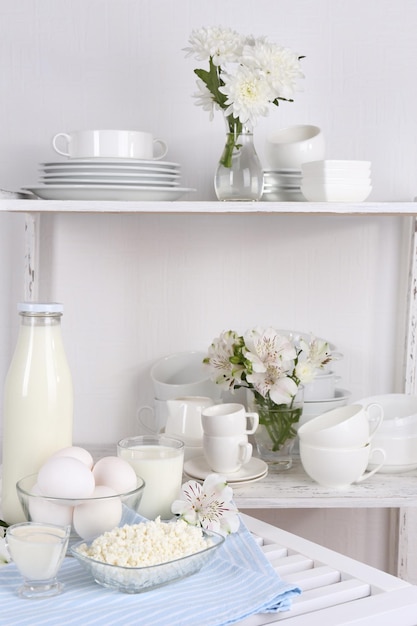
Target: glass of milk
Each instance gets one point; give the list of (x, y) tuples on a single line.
[(159, 461), (38, 550)]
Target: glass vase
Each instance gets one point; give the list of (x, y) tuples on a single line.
[(276, 433), (239, 175)]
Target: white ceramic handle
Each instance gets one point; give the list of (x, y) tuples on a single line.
[(254, 418), (163, 146), (374, 423), (54, 143), (378, 467), (245, 453), (151, 431)]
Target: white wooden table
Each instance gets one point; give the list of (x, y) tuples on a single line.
[(336, 590)]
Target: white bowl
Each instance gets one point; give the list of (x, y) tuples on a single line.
[(292, 146), (340, 179), (327, 166), (335, 192)]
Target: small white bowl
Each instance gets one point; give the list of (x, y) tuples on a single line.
[(327, 166), (291, 147), (334, 192)]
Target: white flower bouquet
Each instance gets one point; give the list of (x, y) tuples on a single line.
[(245, 75), (274, 367)]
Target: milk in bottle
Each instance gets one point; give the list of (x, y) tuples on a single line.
[(38, 400)]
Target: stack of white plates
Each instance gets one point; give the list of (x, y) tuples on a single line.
[(336, 181), (110, 179), (282, 185)]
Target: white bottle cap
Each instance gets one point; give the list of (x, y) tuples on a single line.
[(40, 307)]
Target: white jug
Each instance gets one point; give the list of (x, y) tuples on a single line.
[(184, 418)]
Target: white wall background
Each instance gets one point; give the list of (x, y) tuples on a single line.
[(137, 287)]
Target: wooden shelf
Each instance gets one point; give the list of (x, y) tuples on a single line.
[(284, 208)]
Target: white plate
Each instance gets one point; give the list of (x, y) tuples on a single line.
[(113, 162), (99, 175), (110, 192), (255, 469), (146, 182), (133, 170)]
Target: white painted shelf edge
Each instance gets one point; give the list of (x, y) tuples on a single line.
[(189, 206)]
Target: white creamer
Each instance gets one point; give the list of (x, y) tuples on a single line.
[(161, 468), (38, 401), (37, 550)]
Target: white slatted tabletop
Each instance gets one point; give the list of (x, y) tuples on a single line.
[(336, 590)]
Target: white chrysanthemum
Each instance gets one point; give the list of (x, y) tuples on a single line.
[(248, 94), (280, 66), (205, 99), (223, 45)]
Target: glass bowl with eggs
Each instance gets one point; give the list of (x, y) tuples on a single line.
[(70, 489)]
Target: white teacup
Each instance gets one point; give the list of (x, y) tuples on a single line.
[(184, 418), (337, 468), (288, 148), (228, 420), (183, 374), (346, 426), (226, 454), (113, 144)]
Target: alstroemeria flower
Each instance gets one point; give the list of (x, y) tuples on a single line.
[(269, 348), (317, 351), (223, 371), (305, 372), (208, 505)]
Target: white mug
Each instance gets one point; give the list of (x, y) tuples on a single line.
[(226, 454), (228, 420), (112, 144)]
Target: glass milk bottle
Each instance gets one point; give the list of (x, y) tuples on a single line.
[(38, 400)]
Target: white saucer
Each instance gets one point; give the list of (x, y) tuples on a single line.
[(108, 192), (255, 469)]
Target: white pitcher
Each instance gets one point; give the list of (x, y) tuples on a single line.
[(184, 417)]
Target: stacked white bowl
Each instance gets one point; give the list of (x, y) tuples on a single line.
[(336, 181)]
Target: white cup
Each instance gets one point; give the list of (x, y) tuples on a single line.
[(152, 419), (288, 148), (346, 426), (338, 468), (226, 454), (183, 374), (159, 461), (228, 420), (184, 418), (112, 144)]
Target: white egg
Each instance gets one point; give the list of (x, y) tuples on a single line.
[(48, 512), (76, 453), (116, 473), (65, 477), (96, 516)]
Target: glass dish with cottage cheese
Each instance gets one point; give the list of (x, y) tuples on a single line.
[(138, 557)]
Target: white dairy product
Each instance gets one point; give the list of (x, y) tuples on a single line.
[(37, 550), (161, 468), (38, 401)]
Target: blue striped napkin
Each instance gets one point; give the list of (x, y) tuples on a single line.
[(237, 583)]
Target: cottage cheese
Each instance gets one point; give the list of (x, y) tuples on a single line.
[(147, 543)]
